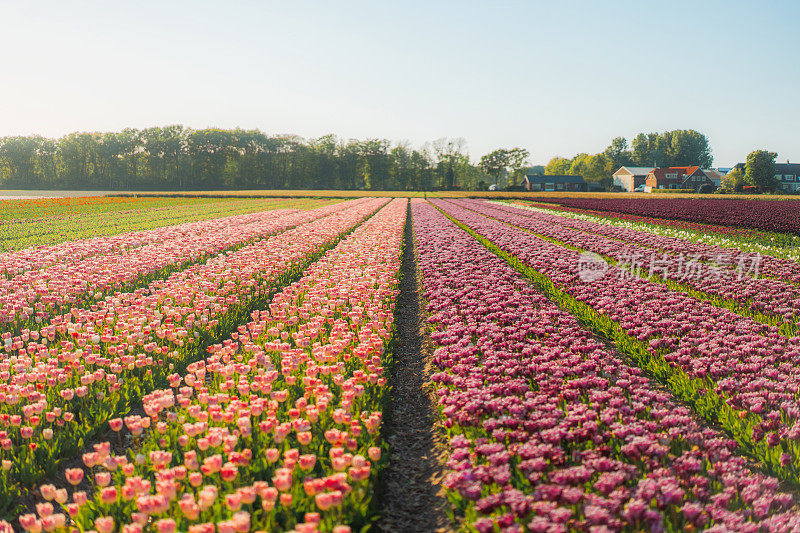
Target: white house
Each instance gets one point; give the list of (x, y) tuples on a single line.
[(628, 178)]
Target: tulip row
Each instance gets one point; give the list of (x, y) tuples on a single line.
[(775, 244), (736, 372), (773, 216), (77, 273), (784, 267), (277, 429), (135, 223), (59, 385), (552, 430), (719, 275), (34, 223)]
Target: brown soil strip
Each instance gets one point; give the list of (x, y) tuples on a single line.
[(412, 498)]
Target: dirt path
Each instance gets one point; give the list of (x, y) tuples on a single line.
[(412, 497)]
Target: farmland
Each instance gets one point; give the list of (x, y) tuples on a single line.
[(395, 363)]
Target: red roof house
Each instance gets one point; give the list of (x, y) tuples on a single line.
[(679, 178)]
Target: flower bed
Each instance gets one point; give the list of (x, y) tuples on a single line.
[(277, 428), (775, 267), (766, 215), (775, 245), (552, 431), (42, 222), (735, 371), (41, 281), (59, 385), (717, 273)]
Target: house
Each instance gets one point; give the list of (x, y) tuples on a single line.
[(787, 174), (715, 175), (628, 178), (539, 182), (679, 178)]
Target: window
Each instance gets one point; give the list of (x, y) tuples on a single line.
[(789, 177), (560, 186)]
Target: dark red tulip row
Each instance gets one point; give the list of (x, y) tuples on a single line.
[(719, 273), (550, 430), (740, 373), (772, 267), (766, 215)]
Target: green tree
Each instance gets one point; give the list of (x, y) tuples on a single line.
[(450, 157), (689, 148), (732, 181), (495, 164), (759, 170), (558, 166), (618, 154), (578, 165), (668, 149), (517, 163), (19, 159), (598, 169)]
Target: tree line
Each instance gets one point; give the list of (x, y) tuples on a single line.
[(179, 158)]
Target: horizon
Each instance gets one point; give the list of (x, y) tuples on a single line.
[(557, 81)]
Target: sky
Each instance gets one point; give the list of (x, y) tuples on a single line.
[(555, 77)]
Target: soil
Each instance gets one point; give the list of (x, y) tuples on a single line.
[(412, 497)]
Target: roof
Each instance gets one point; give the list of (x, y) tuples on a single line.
[(712, 174), (787, 168), (553, 178), (637, 171), (780, 168), (682, 172), (686, 170), (660, 173)]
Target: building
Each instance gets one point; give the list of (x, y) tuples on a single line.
[(787, 174), (679, 178), (540, 182), (628, 178), (715, 175)]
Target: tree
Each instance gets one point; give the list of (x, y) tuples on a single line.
[(598, 169), (732, 181), (671, 148), (759, 170), (18, 156), (558, 166), (649, 150), (536, 169), (688, 148), (579, 165), (517, 161), (495, 164), (450, 156), (618, 154)]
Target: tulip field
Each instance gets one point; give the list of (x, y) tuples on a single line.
[(227, 365)]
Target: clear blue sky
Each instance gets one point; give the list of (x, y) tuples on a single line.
[(556, 77)]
